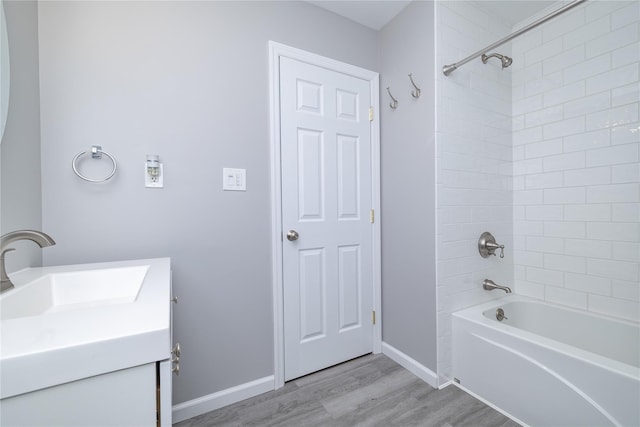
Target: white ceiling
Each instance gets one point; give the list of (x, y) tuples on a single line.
[(376, 14)]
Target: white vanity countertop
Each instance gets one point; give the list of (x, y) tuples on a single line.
[(55, 348)]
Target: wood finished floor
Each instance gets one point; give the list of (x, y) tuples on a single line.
[(369, 391)]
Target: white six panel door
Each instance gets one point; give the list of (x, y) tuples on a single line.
[(326, 199)]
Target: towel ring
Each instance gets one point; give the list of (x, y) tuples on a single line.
[(96, 153)]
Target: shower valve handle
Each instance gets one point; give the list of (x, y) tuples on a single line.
[(495, 246), (487, 245)]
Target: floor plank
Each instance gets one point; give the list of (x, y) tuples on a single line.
[(371, 391)]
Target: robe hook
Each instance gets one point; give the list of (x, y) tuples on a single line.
[(414, 93), (394, 103)]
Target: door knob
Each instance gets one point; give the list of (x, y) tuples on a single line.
[(292, 235)]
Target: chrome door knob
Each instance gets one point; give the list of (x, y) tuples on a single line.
[(292, 235)]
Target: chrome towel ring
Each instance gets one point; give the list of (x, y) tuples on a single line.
[(96, 153)]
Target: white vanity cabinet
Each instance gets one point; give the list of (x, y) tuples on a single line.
[(121, 398), (107, 363)]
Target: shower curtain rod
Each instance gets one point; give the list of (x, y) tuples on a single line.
[(448, 69)]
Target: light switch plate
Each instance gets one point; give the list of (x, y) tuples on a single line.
[(234, 179)]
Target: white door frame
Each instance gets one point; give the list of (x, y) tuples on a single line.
[(277, 50)]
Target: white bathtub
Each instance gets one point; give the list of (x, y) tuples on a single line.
[(548, 365)]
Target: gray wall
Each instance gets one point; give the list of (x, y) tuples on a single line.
[(20, 206), (187, 81), (408, 185)]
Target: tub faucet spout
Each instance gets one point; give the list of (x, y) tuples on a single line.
[(41, 239), (490, 285)]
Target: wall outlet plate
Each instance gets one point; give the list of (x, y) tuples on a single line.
[(234, 179), (149, 182)]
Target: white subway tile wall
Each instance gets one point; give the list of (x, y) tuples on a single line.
[(587, 254), (554, 174), (474, 158)]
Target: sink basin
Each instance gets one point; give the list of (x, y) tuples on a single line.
[(56, 292), (69, 322)]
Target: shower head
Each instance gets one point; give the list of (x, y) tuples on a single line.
[(506, 61)]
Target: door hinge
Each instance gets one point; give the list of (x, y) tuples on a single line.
[(373, 317), (372, 216), (370, 114)]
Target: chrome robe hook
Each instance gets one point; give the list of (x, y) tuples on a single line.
[(414, 93), (394, 103)]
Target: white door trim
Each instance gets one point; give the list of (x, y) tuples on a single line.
[(277, 50)]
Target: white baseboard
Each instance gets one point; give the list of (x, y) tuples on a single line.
[(411, 365), (445, 384), (217, 400)]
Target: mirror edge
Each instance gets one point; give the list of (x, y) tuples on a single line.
[(4, 71)]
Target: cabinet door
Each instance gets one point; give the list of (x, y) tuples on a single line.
[(120, 398), (166, 368)]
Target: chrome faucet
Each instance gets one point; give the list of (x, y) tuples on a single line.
[(41, 239), (490, 285)]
